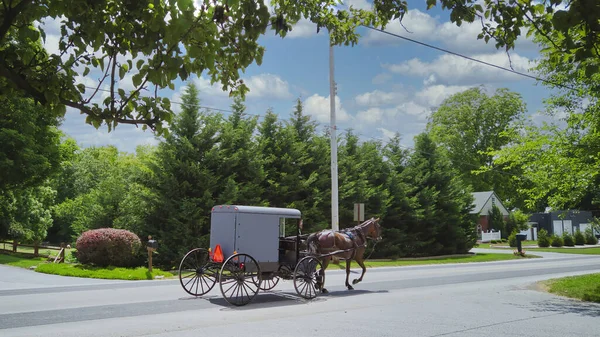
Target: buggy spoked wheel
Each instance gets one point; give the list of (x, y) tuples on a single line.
[(197, 274), (308, 280), (269, 283), (240, 279)]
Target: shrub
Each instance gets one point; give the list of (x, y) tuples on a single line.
[(543, 239), (579, 238), (556, 241), (512, 239), (108, 247), (568, 239), (590, 239)]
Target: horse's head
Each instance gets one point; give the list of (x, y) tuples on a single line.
[(374, 230)]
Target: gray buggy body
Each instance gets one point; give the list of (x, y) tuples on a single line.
[(253, 230)]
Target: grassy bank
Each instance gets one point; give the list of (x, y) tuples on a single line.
[(590, 251), (78, 270), (583, 287), (110, 273), (567, 250), (480, 257), (19, 261)]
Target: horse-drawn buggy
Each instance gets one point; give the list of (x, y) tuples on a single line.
[(250, 251)]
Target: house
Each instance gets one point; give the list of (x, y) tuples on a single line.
[(483, 204), (557, 222)]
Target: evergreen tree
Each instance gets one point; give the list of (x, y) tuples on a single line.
[(394, 223), (239, 173), (183, 181), (496, 221), (440, 223), (309, 156)]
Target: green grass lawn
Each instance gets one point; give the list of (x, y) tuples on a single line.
[(19, 261), (591, 250), (480, 257), (583, 287), (112, 273), (567, 250), (78, 270), (503, 245)]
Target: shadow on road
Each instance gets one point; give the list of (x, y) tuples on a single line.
[(272, 299), (567, 306)]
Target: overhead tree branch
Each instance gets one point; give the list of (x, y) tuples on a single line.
[(21, 83), (10, 16)]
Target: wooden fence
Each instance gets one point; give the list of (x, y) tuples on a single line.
[(34, 250)]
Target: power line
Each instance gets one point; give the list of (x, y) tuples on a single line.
[(470, 58)]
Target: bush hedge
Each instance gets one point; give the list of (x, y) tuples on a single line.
[(568, 239), (543, 239), (109, 247), (556, 241), (590, 239), (579, 238), (512, 239)]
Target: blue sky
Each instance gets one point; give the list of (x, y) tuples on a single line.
[(385, 84)]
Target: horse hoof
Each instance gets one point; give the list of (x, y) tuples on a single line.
[(355, 281), (324, 291)]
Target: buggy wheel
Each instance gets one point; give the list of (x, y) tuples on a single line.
[(308, 279), (269, 283), (197, 274), (240, 279)]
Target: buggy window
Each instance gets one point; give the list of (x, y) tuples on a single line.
[(281, 227)]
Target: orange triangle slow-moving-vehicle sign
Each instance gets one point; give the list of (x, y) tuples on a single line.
[(218, 254)]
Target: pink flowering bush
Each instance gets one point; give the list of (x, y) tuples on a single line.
[(108, 247)]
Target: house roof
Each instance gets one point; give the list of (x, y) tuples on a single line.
[(480, 199)]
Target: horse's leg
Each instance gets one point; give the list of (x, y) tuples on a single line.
[(348, 261), (360, 259), (322, 273), (361, 263)]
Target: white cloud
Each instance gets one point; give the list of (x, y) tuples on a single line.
[(406, 114), (387, 134), (319, 107), (262, 85), (378, 98), (434, 95), (450, 69), (268, 85), (358, 4), (303, 28), (371, 116), (381, 78)]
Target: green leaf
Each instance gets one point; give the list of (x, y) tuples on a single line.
[(123, 70)]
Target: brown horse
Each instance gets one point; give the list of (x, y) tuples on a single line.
[(350, 242)]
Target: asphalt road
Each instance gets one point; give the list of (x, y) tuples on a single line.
[(480, 299)]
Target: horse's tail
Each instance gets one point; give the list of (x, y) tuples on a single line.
[(312, 244)]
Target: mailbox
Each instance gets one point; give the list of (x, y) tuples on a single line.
[(151, 244), (520, 238)]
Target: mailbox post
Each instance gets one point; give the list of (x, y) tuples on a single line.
[(520, 238), (151, 245)]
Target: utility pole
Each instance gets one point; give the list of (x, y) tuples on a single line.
[(334, 165)]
